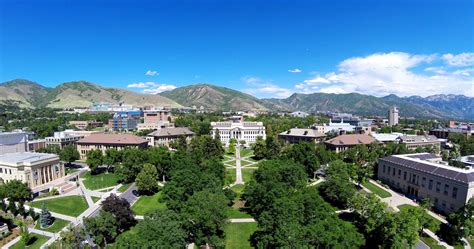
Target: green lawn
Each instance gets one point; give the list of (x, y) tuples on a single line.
[(239, 188), (471, 242), (232, 163), (235, 213), (148, 203), (247, 174), (229, 176), (246, 152), (433, 225), (124, 187), (244, 163), (432, 243), (56, 227), (70, 170), (237, 235), (36, 242), (376, 190), (73, 205), (100, 181), (95, 199)]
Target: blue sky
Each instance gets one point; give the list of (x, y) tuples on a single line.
[(265, 49)]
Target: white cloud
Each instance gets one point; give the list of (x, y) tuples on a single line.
[(143, 85), (152, 73), (296, 70), (265, 88), (459, 60), (381, 74), (159, 89), (152, 87)]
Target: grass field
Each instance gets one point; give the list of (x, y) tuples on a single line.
[(433, 225), (56, 227), (95, 199), (376, 189), (246, 152), (432, 243), (72, 205), (238, 235), (124, 187), (247, 174), (245, 163), (36, 242), (148, 203), (229, 176), (99, 181), (232, 163), (235, 213)]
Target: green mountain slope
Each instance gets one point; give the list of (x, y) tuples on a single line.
[(73, 94), (215, 98)]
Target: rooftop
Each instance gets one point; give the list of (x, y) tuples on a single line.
[(302, 133), (351, 139), (174, 131), (100, 138), (418, 139), (426, 162), (25, 158)]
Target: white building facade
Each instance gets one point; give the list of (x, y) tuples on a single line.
[(238, 129), (11, 142)]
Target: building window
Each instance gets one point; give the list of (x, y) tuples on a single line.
[(383, 168), (1, 170), (438, 187), (423, 180), (393, 172), (446, 187), (388, 170), (399, 173), (405, 175), (430, 186), (455, 192)]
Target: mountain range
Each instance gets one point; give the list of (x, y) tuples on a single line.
[(29, 94)]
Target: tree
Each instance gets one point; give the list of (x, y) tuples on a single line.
[(273, 147), (69, 154), (102, 228), (272, 180), (94, 160), (338, 188), (147, 179), (32, 214), (112, 157), (12, 207), (460, 223), (120, 210), (259, 148), (21, 209), (132, 163), (160, 157), (46, 219), (305, 154), (159, 229), (205, 214), (25, 234), (73, 237), (231, 149), (15, 190)]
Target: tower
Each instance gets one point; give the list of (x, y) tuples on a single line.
[(393, 116)]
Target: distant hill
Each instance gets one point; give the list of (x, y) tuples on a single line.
[(29, 94), (215, 98)]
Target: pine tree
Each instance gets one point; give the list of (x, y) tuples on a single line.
[(46, 219)]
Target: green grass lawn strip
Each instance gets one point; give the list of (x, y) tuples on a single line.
[(73, 205), (376, 190), (100, 181), (238, 235), (57, 225), (145, 204)]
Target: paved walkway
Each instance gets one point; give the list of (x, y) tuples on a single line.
[(242, 220), (238, 168), (11, 243)]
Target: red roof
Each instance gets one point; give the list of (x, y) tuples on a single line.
[(351, 139), (112, 139)]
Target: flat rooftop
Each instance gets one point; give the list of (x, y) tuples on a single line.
[(420, 162), (25, 158)]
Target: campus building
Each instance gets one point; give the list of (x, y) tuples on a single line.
[(297, 135), (237, 128), (340, 127), (153, 126), (425, 175), (414, 141), (82, 125), (344, 142), (34, 169), (13, 142), (155, 116), (107, 141), (62, 139), (393, 116), (165, 136)]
